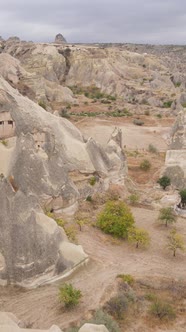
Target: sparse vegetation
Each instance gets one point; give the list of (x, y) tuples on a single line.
[(69, 296), (167, 216), (152, 148), (145, 165), (162, 310), (183, 197), (42, 104), (133, 198), (126, 278), (89, 198), (117, 306), (164, 182), (116, 219), (4, 142), (138, 122), (167, 104), (92, 181)]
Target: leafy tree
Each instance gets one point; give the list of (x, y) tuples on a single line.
[(116, 219), (69, 295), (139, 236), (167, 215), (164, 182), (175, 242), (183, 197)]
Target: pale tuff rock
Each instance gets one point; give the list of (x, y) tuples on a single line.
[(175, 163), (9, 323), (49, 147), (31, 243)]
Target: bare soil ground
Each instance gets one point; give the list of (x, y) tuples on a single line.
[(40, 307)]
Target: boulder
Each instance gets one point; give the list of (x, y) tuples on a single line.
[(93, 328)]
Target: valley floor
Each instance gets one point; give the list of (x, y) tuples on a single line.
[(108, 258)]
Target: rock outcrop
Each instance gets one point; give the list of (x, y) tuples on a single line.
[(50, 148), (33, 248), (59, 39), (175, 163), (9, 322)]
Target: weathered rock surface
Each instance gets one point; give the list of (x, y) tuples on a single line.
[(33, 248), (49, 148), (59, 39), (9, 323), (175, 163)]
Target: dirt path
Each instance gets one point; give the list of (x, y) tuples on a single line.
[(41, 307)]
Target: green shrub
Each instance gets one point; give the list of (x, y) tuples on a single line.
[(159, 115), (69, 296), (4, 142), (117, 306), (183, 197), (138, 122), (64, 113), (92, 181), (134, 199), (116, 219), (162, 310), (42, 104), (152, 148), (126, 278), (177, 84), (89, 198), (167, 104), (150, 297), (147, 112), (101, 317), (145, 165), (164, 182)]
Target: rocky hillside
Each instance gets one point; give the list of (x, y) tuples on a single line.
[(138, 76)]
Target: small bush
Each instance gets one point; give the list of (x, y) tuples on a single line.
[(101, 317), (117, 306), (150, 297), (152, 148), (116, 219), (147, 112), (42, 104), (64, 113), (133, 199), (145, 165), (126, 278), (183, 197), (162, 310), (4, 142), (167, 104), (69, 296), (92, 181), (70, 232), (89, 198), (164, 182), (138, 122)]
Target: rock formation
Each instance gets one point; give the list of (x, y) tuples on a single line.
[(9, 322), (33, 248), (175, 163), (59, 39), (48, 151)]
